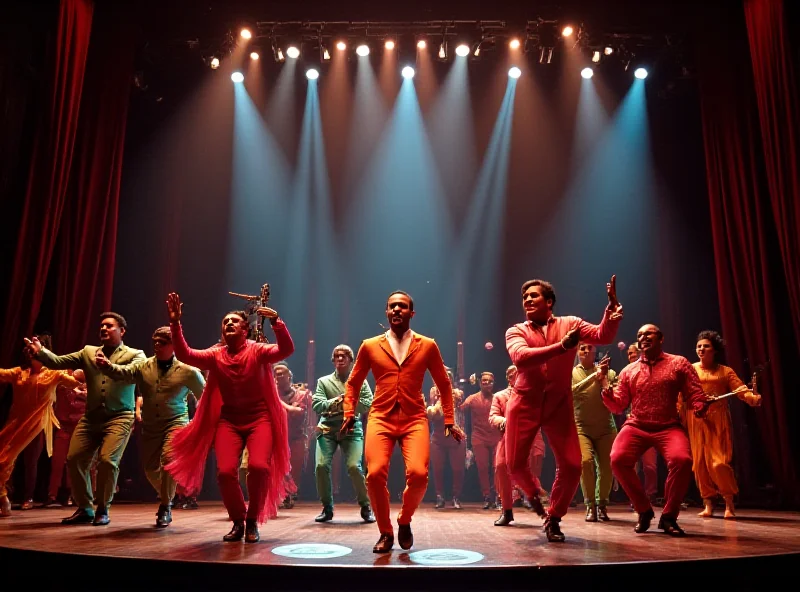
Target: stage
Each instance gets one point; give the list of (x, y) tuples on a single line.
[(453, 549)]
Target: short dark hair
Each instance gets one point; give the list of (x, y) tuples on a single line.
[(547, 289), (239, 313), (343, 347), (117, 317), (282, 364), (717, 342), (46, 339), (406, 294)]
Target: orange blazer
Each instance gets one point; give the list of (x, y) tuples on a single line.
[(399, 383)]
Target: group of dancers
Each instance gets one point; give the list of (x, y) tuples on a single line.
[(247, 403)]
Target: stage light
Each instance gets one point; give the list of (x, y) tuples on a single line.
[(596, 56), (237, 77), (408, 72), (608, 50), (279, 55), (362, 50), (326, 55), (245, 33), (254, 55), (462, 50), (477, 51), (640, 73), (341, 46), (567, 31), (214, 63), (389, 44), (312, 74), (514, 44), (515, 72), (292, 52), (421, 44), (442, 52), (587, 73)]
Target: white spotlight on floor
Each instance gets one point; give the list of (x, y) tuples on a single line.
[(312, 74), (462, 50), (640, 73), (237, 77), (515, 72), (587, 73), (408, 72), (362, 50), (292, 52)]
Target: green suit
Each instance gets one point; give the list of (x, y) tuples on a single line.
[(596, 433), (106, 426), (164, 410), (331, 415)]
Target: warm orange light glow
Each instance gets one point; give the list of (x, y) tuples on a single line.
[(567, 31), (389, 44), (245, 33), (341, 46), (254, 55), (514, 44), (421, 44)]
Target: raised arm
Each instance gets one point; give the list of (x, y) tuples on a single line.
[(199, 358), (442, 381), (8, 375), (745, 394), (129, 373), (357, 378), (283, 346), (525, 356), (603, 333), (617, 398), (50, 360)]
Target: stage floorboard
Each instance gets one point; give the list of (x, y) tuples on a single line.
[(193, 545)]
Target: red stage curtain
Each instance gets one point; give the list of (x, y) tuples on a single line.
[(748, 211), (49, 176)]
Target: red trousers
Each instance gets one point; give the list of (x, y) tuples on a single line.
[(502, 479), (58, 462), (451, 452), (673, 444), (649, 464), (524, 417), (229, 443), (413, 436), (484, 454), (297, 451)]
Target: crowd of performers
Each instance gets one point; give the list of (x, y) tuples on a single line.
[(83, 407)]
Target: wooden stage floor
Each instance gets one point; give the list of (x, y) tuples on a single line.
[(466, 543)]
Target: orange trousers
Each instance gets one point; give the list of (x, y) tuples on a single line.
[(712, 452), (413, 436)]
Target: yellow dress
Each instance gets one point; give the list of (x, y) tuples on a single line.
[(31, 412), (710, 436)]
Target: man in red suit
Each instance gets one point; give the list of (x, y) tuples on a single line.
[(398, 360), (543, 349)]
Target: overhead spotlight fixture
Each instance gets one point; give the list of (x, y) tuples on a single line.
[(279, 55), (640, 73), (477, 51), (514, 72), (545, 55), (608, 50), (341, 46), (596, 56), (514, 43), (254, 55), (292, 52), (326, 55), (237, 77), (389, 44), (214, 63), (312, 73), (587, 73), (363, 50), (421, 44), (442, 51), (567, 31), (462, 50), (245, 33), (408, 72)]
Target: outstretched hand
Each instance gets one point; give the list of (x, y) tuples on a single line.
[(175, 307), (454, 432), (602, 368), (34, 346), (613, 303), (267, 312)]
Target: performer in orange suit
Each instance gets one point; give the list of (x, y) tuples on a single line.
[(398, 360)]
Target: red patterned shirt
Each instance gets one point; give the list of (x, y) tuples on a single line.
[(479, 408), (652, 388)]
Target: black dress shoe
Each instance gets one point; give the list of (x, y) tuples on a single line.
[(645, 518), (288, 503), (384, 544), (487, 503), (79, 517), (404, 536), (670, 526), (190, 504), (552, 529), (602, 513), (536, 506), (251, 534), (326, 515), (367, 515), (163, 516), (236, 534), (101, 517), (591, 513), (506, 518), (439, 502)]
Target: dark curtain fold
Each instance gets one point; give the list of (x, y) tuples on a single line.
[(751, 280), (48, 179)]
